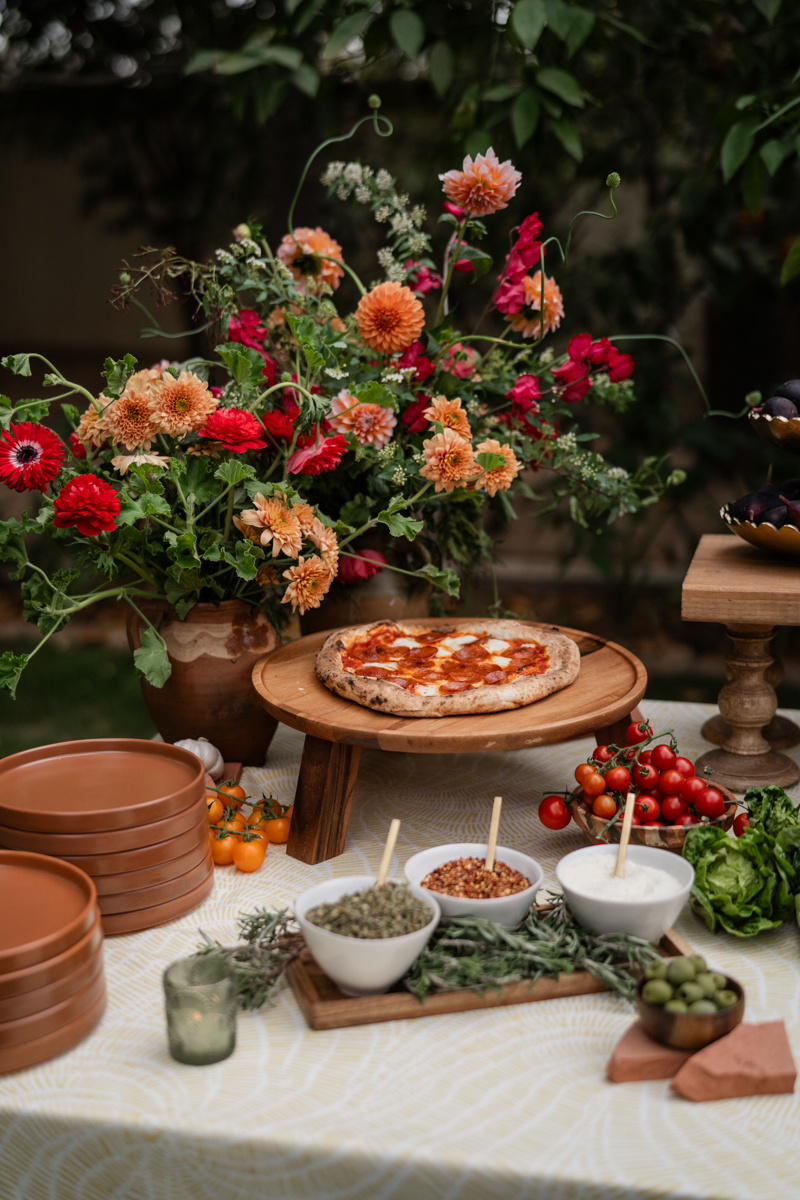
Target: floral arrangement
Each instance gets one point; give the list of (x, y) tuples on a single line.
[(315, 447)]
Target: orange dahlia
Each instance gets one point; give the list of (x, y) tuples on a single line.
[(308, 253), (524, 322), (500, 479), (92, 429), (483, 186), (371, 423), (390, 317), (131, 420), (449, 461), (327, 543), (309, 581), (450, 414), (183, 404), (305, 515), (271, 521)]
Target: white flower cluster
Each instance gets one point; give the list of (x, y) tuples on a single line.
[(617, 473), (402, 223), (250, 246), (546, 356), (363, 194), (224, 255), (418, 214), (335, 373), (394, 376), (400, 476), (567, 443), (383, 181), (385, 454), (473, 407), (383, 214), (331, 173), (386, 258), (418, 243)]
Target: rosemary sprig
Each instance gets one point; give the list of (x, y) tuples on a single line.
[(271, 942)]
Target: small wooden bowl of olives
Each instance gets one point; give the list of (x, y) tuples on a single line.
[(683, 1004)]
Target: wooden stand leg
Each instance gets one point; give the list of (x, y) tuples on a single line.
[(781, 733), (616, 733), (322, 800), (747, 704)]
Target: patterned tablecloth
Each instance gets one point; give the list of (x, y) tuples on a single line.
[(509, 1103)]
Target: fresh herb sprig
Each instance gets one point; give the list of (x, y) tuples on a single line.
[(272, 941)]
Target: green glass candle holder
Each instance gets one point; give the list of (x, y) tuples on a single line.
[(200, 999)]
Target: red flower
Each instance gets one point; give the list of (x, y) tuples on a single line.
[(525, 391), (571, 371), (453, 209), (422, 280), (89, 503), (235, 428), (600, 351), (463, 265), (527, 247), (246, 328), (579, 347), (76, 446), (279, 423), (620, 366), (576, 391), (353, 570), (30, 456), (414, 356), (216, 392), (413, 416), (510, 295), (316, 458), (525, 253)]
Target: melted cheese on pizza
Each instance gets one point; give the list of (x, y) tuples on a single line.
[(439, 664)]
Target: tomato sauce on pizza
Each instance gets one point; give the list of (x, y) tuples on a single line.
[(441, 664)]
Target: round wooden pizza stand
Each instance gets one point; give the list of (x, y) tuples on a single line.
[(611, 683)]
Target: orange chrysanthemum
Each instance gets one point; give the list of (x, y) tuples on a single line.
[(183, 404), (524, 322), (390, 317), (500, 479), (92, 429), (449, 461), (309, 581), (327, 543), (450, 414), (305, 515), (371, 423), (483, 186), (308, 253), (271, 521), (131, 420)]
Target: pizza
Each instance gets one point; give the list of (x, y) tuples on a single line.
[(465, 667)]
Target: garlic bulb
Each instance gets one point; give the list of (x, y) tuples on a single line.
[(209, 755)]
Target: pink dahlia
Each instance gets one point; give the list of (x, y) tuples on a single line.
[(30, 456), (235, 429), (318, 457), (372, 424), (88, 503), (482, 186)]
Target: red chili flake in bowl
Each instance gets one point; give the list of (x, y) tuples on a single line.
[(468, 878)]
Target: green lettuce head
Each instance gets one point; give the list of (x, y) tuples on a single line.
[(741, 885)]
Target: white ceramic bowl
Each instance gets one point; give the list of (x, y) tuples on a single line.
[(360, 966), (648, 919), (505, 910)]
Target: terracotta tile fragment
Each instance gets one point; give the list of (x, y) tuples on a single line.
[(636, 1056), (752, 1060)]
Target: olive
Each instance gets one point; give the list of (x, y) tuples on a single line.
[(657, 969), (725, 998), (703, 1006), (656, 991), (680, 970), (720, 980), (698, 962), (690, 992), (675, 1006), (708, 983)]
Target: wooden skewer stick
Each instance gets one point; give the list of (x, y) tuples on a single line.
[(493, 831), (388, 851), (627, 821)]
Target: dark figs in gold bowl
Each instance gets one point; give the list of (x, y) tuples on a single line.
[(783, 432), (784, 541), (667, 837)]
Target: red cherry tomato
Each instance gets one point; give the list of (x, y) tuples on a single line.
[(741, 823), (634, 819), (554, 813), (645, 777), (653, 825), (662, 758), (646, 756), (685, 767), (688, 819), (604, 806), (618, 779), (602, 754), (670, 782), (691, 788), (582, 771), (646, 808), (640, 731), (710, 803), (593, 784), (673, 807)]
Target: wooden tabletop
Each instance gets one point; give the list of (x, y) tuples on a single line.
[(731, 582), (611, 683)]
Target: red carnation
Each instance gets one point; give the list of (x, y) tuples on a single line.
[(354, 570), (525, 390), (579, 347), (279, 423), (414, 417), (247, 330), (318, 457), (601, 351), (235, 428), (30, 457), (89, 503), (576, 391), (571, 371), (620, 366)]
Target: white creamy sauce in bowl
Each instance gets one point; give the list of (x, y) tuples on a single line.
[(593, 876)]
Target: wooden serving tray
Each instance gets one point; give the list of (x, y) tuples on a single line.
[(325, 1007)]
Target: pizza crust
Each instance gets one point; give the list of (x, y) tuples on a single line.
[(378, 694)]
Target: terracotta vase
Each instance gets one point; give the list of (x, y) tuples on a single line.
[(210, 693), (382, 597)]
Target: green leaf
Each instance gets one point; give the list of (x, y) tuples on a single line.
[(745, 101), (70, 412), (245, 563), (11, 667), (440, 67), (525, 116), (203, 60), (509, 512), (567, 133), (400, 526), (18, 364), (774, 152), (737, 145), (581, 25), (244, 363), (152, 660), (768, 8), (791, 264), (375, 393), (558, 18), (562, 84), (503, 91), (350, 28), (183, 548), (117, 372), (306, 79), (148, 504), (408, 31), (233, 472), (481, 261), (488, 461), (260, 56), (528, 19), (477, 142), (12, 546), (445, 580)]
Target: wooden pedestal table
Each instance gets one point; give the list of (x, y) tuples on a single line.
[(749, 592), (611, 683)]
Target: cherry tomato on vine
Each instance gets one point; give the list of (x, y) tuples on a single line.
[(741, 823), (604, 806), (594, 784), (634, 819), (688, 819), (222, 848), (554, 813), (248, 856), (234, 821), (673, 807), (277, 830), (691, 788), (638, 732), (215, 810), (671, 782), (685, 767), (662, 758), (602, 754), (646, 808), (645, 776), (582, 771), (653, 825), (710, 803), (646, 756), (232, 793), (618, 779)]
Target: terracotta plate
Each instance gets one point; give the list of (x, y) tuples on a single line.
[(46, 905), (52, 993), (134, 881), (97, 785), (110, 842), (41, 1049), (148, 918), (161, 893), (145, 856), (25, 1029), (17, 983)]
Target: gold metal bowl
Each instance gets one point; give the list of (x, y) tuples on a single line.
[(783, 432), (785, 541)]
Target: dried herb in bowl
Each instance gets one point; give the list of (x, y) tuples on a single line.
[(385, 912)]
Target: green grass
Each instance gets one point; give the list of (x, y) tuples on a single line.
[(73, 692)]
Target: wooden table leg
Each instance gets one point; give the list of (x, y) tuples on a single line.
[(781, 733), (616, 734), (322, 800), (747, 704)]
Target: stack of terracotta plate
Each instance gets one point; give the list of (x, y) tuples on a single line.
[(131, 814), (52, 991)]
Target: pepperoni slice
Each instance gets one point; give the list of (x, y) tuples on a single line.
[(371, 672), (420, 653), (495, 677), (471, 653), (397, 679), (454, 686)]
